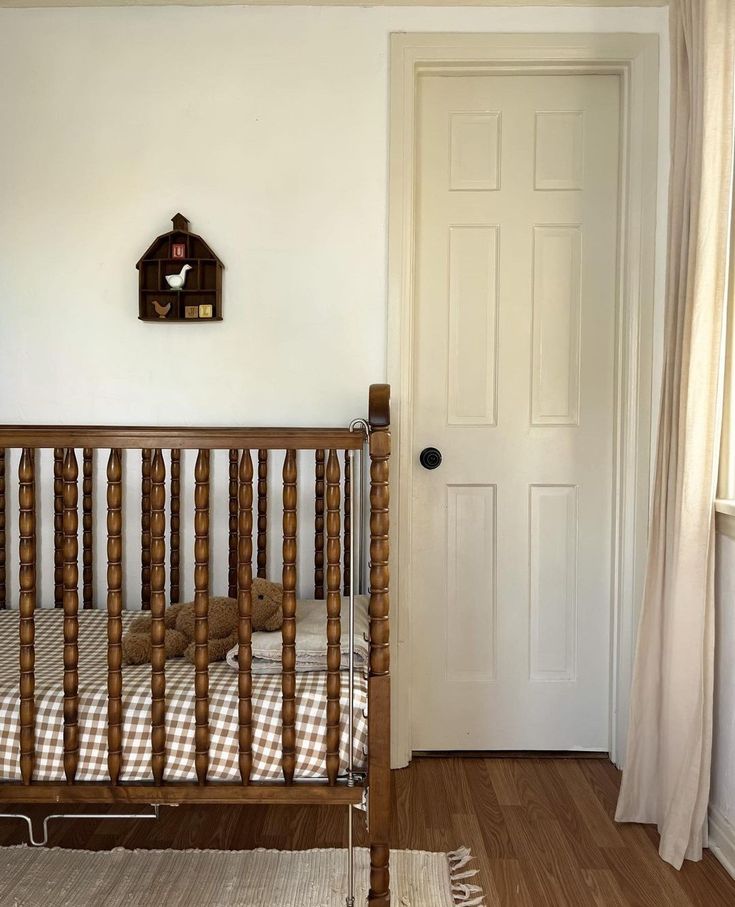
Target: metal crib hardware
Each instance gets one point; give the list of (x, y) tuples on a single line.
[(362, 805), (350, 899), (44, 840), (361, 425), (352, 776)]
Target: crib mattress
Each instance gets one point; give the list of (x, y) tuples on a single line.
[(311, 699)]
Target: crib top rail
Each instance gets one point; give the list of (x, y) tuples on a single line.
[(137, 438), (194, 438)]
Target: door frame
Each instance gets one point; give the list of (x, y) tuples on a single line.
[(635, 59)]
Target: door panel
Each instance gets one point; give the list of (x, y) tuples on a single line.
[(473, 308), (471, 582), (516, 262)]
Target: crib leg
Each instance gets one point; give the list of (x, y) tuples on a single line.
[(379, 875)]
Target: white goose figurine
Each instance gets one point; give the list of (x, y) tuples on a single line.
[(177, 281)]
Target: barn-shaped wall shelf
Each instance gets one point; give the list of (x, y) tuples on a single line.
[(180, 278)]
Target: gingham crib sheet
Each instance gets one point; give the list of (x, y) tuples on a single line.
[(311, 699)]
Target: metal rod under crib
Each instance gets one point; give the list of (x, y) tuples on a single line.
[(358, 522)]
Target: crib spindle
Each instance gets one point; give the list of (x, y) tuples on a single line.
[(3, 596), (319, 525), (175, 507), (288, 630), (244, 599), (262, 512), (145, 530), (233, 524), (114, 615), (71, 612), (158, 612), (334, 625), (348, 524), (201, 609), (58, 527), (87, 527), (27, 607)]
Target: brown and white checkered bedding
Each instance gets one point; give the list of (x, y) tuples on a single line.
[(180, 724)]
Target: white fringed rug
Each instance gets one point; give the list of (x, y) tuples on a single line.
[(41, 877)]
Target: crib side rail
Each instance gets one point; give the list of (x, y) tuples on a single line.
[(160, 495), (169, 438)]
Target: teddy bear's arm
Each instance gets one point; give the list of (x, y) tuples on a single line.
[(140, 624), (172, 612), (136, 648), (218, 648)]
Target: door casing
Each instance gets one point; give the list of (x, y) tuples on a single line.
[(635, 58)]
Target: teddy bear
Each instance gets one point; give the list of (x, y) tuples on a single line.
[(223, 619)]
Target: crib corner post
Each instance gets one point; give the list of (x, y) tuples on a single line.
[(379, 675)]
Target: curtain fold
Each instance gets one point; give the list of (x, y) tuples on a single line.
[(667, 768)]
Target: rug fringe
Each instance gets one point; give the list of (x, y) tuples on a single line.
[(464, 894)]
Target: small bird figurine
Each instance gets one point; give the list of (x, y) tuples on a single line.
[(161, 310), (177, 281)]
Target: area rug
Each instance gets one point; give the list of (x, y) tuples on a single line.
[(41, 877)]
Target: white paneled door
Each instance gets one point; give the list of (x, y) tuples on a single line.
[(514, 384)]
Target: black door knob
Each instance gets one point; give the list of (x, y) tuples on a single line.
[(430, 458)]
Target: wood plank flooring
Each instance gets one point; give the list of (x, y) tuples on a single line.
[(542, 831)]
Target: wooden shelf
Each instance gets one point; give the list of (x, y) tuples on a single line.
[(203, 282), (169, 292), (156, 320)]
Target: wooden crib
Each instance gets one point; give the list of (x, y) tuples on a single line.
[(337, 491)]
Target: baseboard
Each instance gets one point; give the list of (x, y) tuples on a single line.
[(722, 839), (509, 754)]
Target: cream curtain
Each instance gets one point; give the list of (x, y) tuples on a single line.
[(667, 768)]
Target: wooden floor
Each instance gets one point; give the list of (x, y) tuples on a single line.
[(542, 831)]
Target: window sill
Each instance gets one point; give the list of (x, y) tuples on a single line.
[(725, 517)]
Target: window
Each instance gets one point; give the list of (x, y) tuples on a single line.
[(725, 502)]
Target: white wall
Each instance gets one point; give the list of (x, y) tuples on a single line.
[(267, 128), (722, 794)]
